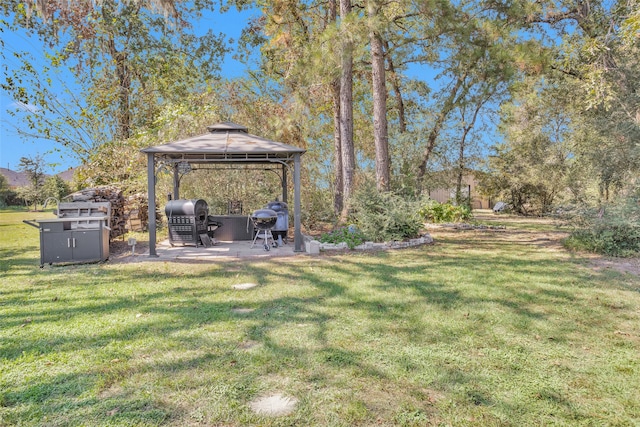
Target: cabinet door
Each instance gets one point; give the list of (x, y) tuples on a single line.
[(56, 247), (86, 245)]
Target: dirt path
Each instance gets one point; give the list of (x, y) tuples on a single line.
[(542, 232)]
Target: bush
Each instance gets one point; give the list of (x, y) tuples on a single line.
[(612, 230), (614, 240), (385, 216), (444, 212), (55, 187), (350, 235), (318, 205), (10, 198)]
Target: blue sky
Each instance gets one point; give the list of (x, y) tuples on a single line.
[(14, 146)]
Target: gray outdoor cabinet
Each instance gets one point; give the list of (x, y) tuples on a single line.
[(234, 227), (73, 240)]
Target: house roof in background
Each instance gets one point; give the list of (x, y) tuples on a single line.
[(15, 178), (67, 176), (20, 179)]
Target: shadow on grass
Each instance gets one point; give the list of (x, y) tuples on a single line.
[(64, 397), (391, 291)]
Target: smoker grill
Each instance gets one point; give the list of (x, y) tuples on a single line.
[(263, 221), (79, 233), (187, 221), (281, 227)]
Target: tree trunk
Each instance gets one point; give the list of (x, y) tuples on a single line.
[(463, 143), (395, 83), (460, 170), (378, 78), (346, 111), (124, 118), (123, 115), (448, 106), (338, 190)]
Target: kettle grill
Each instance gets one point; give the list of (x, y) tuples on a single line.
[(263, 222)]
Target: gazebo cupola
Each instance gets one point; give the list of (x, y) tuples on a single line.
[(227, 127)]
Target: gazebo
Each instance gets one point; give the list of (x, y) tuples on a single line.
[(225, 143)]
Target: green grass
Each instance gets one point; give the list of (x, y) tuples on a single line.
[(466, 332), (487, 217)]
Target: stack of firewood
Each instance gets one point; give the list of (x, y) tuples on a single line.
[(106, 193), (130, 214), (136, 212)]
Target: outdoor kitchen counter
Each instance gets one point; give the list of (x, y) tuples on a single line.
[(72, 219), (71, 223), (72, 239), (234, 227)]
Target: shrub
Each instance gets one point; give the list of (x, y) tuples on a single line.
[(318, 207), (612, 230), (444, 212), (350, 235), (385, 216), (615, 240)]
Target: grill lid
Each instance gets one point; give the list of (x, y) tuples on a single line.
[(182, 207), (264, 219), (277, 206), (264, 214)]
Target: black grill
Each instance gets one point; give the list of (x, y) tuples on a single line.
[(187, 221), (282, 223), (263, 221)]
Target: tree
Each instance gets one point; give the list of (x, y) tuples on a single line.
[(33, 168), (55, 187), (530, 168), (467, 124), (478, 55), (593, 75), (5, 191), (302, 60), (334, 89), (127, 57)]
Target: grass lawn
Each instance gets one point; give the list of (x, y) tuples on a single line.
[(482, 328)]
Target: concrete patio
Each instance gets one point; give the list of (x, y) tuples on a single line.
[(220, 252), (242, 249)]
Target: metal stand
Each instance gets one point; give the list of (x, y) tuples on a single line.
[(266, 234)]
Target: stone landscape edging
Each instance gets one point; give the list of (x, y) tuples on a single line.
[(314, 247)]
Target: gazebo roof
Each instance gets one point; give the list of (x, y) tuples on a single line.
[(225, 142)]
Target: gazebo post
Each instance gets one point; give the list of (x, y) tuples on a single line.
[(298, 243), (284, 184), (176, 182), (151, 186)]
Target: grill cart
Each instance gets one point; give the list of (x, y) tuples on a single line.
[(78, 234)]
